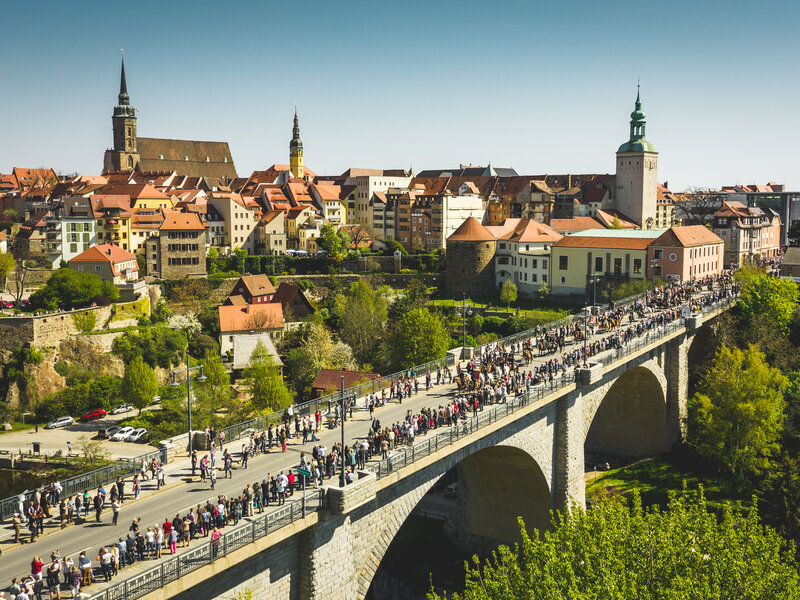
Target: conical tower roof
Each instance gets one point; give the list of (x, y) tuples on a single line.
[(471, 231)]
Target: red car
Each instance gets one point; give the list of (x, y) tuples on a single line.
[(97, 413)]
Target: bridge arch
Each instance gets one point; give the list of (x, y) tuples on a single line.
[(629, 416), (495, 485)]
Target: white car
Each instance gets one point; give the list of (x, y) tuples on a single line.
[(122, 434), (137, 435), (60, 422), (122, 409)]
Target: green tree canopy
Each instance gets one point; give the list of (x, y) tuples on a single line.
[(317, 350), (72, 289), (361, 312), (736, 420), (630, 553), (267, 388), (80, 397), (770, 296), (335, 243), (139, 385), (158, 346), (420, 336), (6, 266), (508, 293)]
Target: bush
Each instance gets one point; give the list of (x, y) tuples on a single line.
[(158, 346), (77, 399)]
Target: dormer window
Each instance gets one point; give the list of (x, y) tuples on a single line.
[(208, 159), (185, 158), (161, 156)]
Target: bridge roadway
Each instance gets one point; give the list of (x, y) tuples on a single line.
[(183, 492)]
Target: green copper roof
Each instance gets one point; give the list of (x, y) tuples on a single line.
[(637, 141), (641, 145)]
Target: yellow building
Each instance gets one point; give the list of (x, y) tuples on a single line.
[(112, 214), (613, 255)]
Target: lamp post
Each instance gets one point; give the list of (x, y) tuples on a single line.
[(175, 383), (341, 450), (466, 310), (593, 279)]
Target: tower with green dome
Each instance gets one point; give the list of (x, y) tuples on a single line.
[(637, 172)]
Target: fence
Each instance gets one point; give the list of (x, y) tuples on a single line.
[(86, 481), (325, 403), (172, 569)]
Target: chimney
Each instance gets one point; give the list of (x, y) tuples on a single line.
[(108, 251)]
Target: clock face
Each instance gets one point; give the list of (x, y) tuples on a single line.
[(673, 256)]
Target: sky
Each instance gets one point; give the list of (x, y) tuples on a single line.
[(543, 87)]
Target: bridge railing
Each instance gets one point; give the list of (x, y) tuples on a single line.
[(325, 403), (86, 481), (207, 551), (439, 438)]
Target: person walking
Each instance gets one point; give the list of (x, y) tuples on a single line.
[(116, 506), (161, 476), (213, 478)]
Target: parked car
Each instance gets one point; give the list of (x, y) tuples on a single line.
[(122, 408), (60, 422), (138, 435), (108, 432), (97, 413), (6, 304), (122, 434), (451, 491)]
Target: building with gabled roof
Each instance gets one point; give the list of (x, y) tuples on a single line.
[(210, 160), (111, 263), (255, 289), (293, 301), (178, 250), (685, 253)]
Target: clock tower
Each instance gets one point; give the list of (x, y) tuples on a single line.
[(124, 156), (296, 150), (637, 173)]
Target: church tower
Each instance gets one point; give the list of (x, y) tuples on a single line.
[(296, 150), (124, 156), (637, 173)]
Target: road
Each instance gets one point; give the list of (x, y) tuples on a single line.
[(182, 492)]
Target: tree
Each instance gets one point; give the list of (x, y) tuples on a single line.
[(358, 235), (20, 276), (317, 351), (420, 336), (627, 552), (508, 293), (736, 420), (6, 265), (697, 207), (215, 392), (93, 451), (85, 321), (331, 241), (158, 346), (616, 223), (139, 385), (772, 297), (362, 313), (267, 388), (72, 289)]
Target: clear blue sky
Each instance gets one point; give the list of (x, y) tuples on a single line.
[(544, 87)]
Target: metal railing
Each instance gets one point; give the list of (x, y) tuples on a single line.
[(326, 403), (172, 569), (86, 481)]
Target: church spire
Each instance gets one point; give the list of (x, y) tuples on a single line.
[(123, 98), (296, 149)]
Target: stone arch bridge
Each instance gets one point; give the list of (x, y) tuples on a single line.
[(524, 458)]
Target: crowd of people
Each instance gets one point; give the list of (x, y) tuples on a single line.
[(497, 372)]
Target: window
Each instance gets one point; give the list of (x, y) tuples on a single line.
[(533, 277), (618, 266), (658, 254), (544, 278), (73, 248), (657, 270), (96, 269), (598, 264), (637, 265), (563, 280), (563, 264), (534, 264)]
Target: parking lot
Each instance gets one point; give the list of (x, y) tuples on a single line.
[(53, 440)]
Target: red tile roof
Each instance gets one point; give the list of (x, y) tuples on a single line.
[(250, 317), (575, 224), (182, 221), (331, 379), (575, 241), (690, 235), (471, 231)]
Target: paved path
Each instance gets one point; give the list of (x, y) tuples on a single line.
[(183, 492)]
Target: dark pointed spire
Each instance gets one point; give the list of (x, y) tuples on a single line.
[(124, 99), (296, 143)]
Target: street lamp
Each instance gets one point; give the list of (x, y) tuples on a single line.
[(593, 279), (201, 378), (341, 450), (466, 310)]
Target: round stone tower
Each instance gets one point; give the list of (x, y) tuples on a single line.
[(470, 259)]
